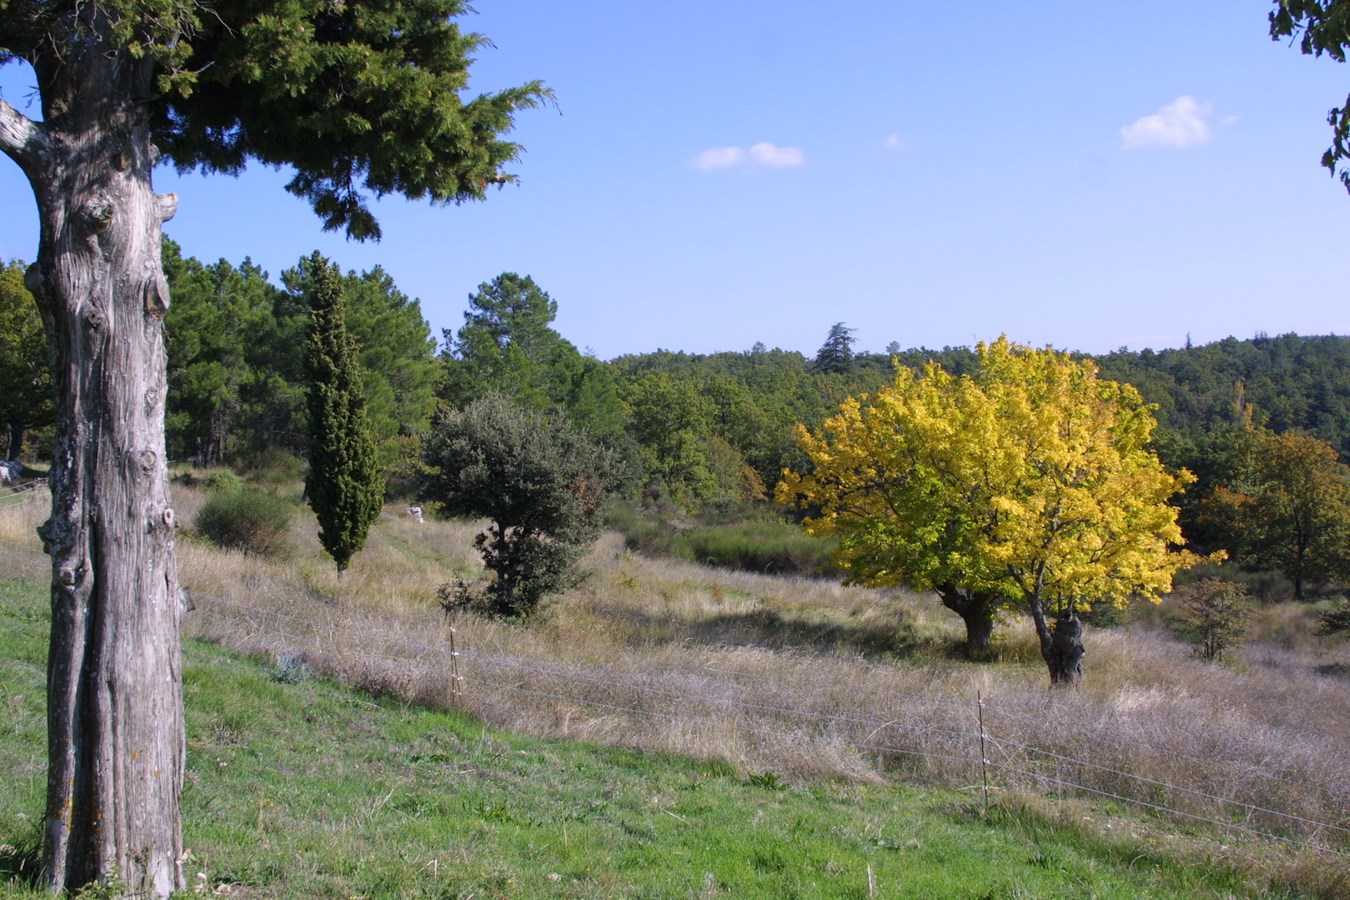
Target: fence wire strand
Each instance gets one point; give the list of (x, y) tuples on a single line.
[(757, 718)]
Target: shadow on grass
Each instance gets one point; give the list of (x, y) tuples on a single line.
[(771, 630), (768, 628)]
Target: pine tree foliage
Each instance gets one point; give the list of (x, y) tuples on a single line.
[(507, 345), (235, 382), (836, 354), (344, 485), (1321, 26), (359, 100)]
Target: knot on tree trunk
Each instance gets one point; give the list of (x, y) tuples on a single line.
[(156, 296), (34, 281), (168, 205), (97, 213), (1065, 657)]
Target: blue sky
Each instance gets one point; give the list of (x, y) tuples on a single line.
[(1087, 176)]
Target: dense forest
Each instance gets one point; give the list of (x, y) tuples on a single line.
[(696, 433)]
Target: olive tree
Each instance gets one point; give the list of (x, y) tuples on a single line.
[(539, 481)]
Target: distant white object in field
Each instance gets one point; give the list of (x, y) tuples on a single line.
[(10, 470), (415, 512)]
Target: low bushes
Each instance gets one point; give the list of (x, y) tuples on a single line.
[(767, 545), (248, 520), (222, 482)]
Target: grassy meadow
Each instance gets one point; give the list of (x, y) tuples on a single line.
[(668, 730)]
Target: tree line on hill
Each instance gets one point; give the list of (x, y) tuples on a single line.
[(696, 432), (370, 105)]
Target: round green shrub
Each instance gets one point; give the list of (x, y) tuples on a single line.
[(247, 520), (222, 482)]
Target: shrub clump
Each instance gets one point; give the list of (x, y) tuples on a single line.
[(1213, 614), (768, 545), (248, 520), (539, 481), (771, 547), (274, 467), (1336, 618), (222, 482)]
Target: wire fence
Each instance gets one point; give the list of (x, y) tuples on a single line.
[(22, 492), (977, 743), (964, 740)]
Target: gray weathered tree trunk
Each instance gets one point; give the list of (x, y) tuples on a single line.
[(115, 713), (1061, 644)]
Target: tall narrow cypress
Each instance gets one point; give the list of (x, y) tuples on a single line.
[(344, 486)]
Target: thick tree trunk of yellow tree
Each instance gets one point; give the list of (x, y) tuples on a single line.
[(1061, 644), (979, 610), (115, 712)]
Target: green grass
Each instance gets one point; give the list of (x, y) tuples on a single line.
[(307, 790)]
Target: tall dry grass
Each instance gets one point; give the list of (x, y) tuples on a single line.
[(807, 678), (20, 515)]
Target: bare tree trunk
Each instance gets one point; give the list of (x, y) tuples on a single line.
[(1061, 644), (16, 433), (114, 680), (979, 611)]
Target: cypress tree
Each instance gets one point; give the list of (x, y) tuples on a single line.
[(344, 485)]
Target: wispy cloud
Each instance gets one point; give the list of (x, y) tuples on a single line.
[(894, 142), (762, 155), (1182, 123)]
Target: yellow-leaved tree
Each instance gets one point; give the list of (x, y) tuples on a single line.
[(1026, 486)]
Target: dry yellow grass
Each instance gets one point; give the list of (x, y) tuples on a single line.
[(804, 678), (20, 516)]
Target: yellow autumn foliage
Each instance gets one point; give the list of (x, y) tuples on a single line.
[(1030, 478)]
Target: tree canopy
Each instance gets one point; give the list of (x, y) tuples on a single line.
[(237, 386), (1030, 481), (508, 345), (1321, 26), (540, 482), (360, 100), (395, 355), (234, 379), (1285, 505), (836, 354)]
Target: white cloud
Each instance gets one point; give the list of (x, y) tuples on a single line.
[(719, 158), (762, 155), (766, 154), (1182, 123), (894, 142)]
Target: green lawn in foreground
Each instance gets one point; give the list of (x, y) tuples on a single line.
[(307, 790)]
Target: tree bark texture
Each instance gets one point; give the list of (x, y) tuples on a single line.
[(1061, 645), (16, 434), (979, 611), (115, 712)]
